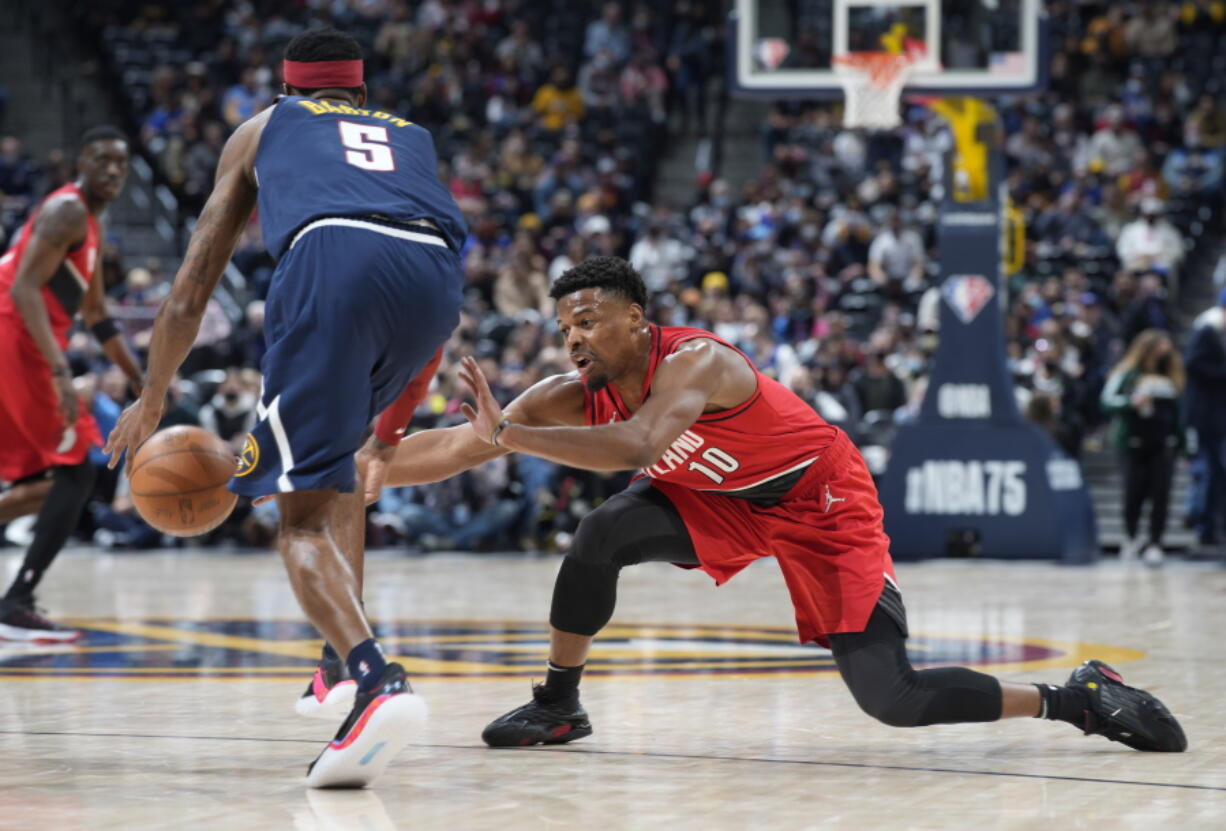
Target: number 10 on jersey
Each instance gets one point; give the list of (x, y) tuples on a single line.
[(366, 146)]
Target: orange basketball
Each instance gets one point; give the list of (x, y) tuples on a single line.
[(179, 481)]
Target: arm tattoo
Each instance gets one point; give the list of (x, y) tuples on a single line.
[(62, 225), (211, 225)]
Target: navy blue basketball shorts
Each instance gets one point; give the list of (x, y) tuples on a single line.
[(355, 310)]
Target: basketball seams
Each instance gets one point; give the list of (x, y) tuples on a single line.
[(146, 495), (195, 451)]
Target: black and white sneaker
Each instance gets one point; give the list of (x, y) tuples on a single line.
[(1126, 714), (330, 693), (20, 621), (379, 726), (540, 721)]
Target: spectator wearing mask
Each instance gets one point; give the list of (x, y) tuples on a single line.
[(1206, 405), (1144, 393), (896, 257), (1150, 243), (1114, 144)]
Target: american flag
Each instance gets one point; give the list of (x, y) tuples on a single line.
[(1007, 63)]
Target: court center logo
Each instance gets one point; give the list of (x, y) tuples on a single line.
[(285, 650), (249, 457)]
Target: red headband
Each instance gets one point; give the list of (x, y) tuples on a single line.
[(322, 74)]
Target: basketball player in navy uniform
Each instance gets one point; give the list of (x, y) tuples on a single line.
[(733, 467), (367, 288)]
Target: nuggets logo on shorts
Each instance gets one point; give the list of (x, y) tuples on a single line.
[(249, 458)]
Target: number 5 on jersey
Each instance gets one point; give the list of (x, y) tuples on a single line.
[(367, 146)]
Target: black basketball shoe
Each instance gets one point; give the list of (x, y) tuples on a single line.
[(21, 621), (540, 721), (1126, 714), (330, 693)]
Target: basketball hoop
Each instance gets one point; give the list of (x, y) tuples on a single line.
[(872, 86)]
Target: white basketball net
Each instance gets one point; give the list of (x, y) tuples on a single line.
[(872, 86)]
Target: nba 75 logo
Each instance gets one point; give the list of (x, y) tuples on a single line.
[(967, 294)]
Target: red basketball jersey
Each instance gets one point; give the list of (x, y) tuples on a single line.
[(756, 450), (66, 289)]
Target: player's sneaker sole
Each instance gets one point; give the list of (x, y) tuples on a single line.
[(384, 729), (321, 701), (24, 635)]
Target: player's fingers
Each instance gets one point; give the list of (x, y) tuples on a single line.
[(468, 411), (471, 383), (260, 500), (478, 382), (374, 487)]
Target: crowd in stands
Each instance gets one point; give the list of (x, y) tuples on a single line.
[(550, 117)]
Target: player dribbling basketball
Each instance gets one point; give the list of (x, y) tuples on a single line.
[(367, 287)]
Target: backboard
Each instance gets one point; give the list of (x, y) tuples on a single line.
[(785, 48)]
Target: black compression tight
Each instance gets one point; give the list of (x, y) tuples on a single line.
[(875, 667), (640, 525), (71, 486), (635, 526)]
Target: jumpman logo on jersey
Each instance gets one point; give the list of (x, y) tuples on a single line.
[(831, 499)]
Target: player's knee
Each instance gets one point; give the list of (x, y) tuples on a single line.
[(593, 543), (893, 712), (896, 704)]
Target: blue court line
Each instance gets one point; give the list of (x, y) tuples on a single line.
[(649, 755)]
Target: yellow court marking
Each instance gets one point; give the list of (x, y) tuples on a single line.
[(296, 649), (701, 663)]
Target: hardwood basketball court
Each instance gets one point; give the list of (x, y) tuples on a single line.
[(176, 708)]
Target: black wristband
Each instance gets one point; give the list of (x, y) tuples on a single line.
[(104, 329)]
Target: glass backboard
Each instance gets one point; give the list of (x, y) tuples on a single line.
[(977, 47)]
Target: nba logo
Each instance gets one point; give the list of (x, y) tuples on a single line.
[(967, 294), (771, 52)]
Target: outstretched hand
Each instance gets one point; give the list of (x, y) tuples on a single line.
[(136, 424), (372, 460), (487, 414)]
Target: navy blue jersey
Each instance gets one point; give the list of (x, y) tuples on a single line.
[(318, 158)]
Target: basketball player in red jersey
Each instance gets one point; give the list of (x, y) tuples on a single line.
[(734, 467), (50, 273)]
